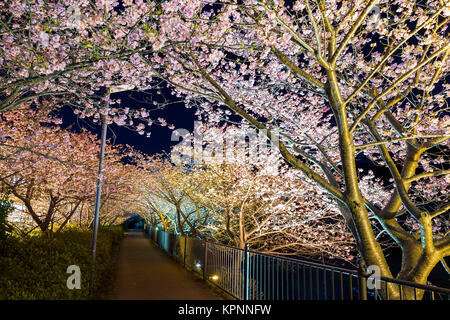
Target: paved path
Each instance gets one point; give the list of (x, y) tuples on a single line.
[(146, 273)]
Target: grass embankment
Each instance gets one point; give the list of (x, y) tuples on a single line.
[(35, 267)]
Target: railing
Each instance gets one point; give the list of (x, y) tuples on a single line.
[(249, 275)]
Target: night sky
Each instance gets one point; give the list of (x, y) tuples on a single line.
[(158, 142)]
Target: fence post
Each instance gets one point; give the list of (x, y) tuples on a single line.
[(169, 244), (246, 271), (205, 259), (165, 243), (362, 284), (184, 254)]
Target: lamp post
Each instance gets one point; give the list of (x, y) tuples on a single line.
[(114, 89)]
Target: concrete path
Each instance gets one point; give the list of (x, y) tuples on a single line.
[(146, 273)]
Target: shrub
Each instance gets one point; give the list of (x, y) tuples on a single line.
[(6, 208), (35, 267)]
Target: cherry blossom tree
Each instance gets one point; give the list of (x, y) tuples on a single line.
[(278, 214), (239, 203), (171, 198), (339, 81), (52, 172), (73, 52)]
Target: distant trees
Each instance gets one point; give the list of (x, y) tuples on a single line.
[(53, 172), (238, 204), (172, 196)]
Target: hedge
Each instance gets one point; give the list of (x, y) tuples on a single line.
[(36, 267)]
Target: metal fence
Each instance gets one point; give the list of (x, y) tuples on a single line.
[(250, 275)]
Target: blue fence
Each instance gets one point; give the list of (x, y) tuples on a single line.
[(248, 275)]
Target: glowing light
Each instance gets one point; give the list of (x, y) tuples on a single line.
[(121, 87), (198, 265), (215, 277)]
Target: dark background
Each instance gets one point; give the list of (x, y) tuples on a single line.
[(160, 139)]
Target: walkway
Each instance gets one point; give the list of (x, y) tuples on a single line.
[(146, 273)]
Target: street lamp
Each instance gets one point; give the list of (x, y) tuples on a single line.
[(114, 89)]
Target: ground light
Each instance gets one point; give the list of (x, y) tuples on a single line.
[(215, 277)]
